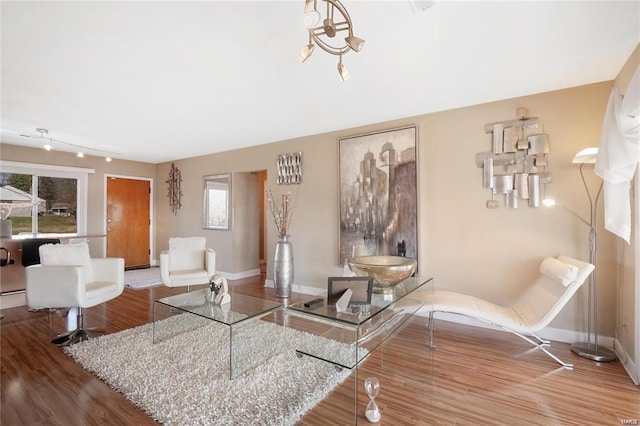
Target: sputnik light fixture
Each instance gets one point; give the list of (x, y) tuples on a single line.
[(323, 31)]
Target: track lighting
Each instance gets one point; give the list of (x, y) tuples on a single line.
[(49, 143)]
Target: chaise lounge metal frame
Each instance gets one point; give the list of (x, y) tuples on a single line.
[(536, 307)]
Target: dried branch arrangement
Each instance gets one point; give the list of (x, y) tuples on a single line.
[(282, 213)]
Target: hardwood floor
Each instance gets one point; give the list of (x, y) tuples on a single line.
[(474, 377)]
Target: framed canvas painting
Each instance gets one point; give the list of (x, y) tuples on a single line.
[(378, 194)]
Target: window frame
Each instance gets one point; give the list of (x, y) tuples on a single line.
[(47, 170)]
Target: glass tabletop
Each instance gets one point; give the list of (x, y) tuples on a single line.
[(379, 303), (240, 309)]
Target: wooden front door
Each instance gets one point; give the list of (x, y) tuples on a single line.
[(128, 220)]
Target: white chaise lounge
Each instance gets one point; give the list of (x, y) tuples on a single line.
[(559, 280)]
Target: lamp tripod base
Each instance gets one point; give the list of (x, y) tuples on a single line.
[(593, 352)]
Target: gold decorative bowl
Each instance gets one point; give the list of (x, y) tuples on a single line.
[(386, 271)]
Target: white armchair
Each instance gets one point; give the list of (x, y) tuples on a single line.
[(68, 277), (187, 262)]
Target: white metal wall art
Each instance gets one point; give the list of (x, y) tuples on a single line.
[(516, 167), (289, 168)]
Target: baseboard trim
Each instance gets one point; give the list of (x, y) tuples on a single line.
[(313, 291), (240, 275), (13, 300), (630, 367)]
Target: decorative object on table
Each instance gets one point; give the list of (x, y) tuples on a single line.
[(589, 349), (283, 260), (289, 168), (174, 191), (342, 304), (362, 287), (323, 30), (219, 290), (378, 194), (386, 271), (217, 202), (372, 387), (516, 166)]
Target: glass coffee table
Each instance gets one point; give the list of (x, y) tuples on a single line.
[(186, 312), (347, 339)]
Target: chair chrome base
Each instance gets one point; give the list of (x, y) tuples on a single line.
[(540, 344), (77, 335), (74, 336), (593, 352)]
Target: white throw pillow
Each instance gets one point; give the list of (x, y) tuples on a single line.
[(68, 255), (558, 271)]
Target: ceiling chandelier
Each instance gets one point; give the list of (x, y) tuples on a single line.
[(324, 29)]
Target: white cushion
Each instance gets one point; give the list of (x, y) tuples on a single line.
[(558, 271), (186, 253), (68, 255)]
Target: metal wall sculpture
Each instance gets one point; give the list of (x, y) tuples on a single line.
[(378, 194), (289, 169), (174, 191), (516, 166)]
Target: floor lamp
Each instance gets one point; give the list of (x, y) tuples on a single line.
[(589, 349)]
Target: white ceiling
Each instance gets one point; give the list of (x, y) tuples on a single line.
[(159, 81)]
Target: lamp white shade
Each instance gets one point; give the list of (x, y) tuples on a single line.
[(587, 155)]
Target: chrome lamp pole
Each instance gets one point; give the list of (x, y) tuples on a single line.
[(589, 349)]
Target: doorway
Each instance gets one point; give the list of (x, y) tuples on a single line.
[(128, 220), (262, 188)]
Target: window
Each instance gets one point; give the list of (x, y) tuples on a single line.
[(44, 199)]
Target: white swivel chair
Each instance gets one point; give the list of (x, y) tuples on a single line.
[(187, 262), (68, 277), (560, 278)]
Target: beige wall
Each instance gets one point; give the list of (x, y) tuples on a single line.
[(246, 239), (465, 246), (96, 182), (627, 255)]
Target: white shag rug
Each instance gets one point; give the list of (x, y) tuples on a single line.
[(184, 380), (142, 278)]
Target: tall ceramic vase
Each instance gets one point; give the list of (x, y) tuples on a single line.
[(283, 267)]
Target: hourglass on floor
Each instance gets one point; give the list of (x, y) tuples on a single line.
[(372, 386)]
